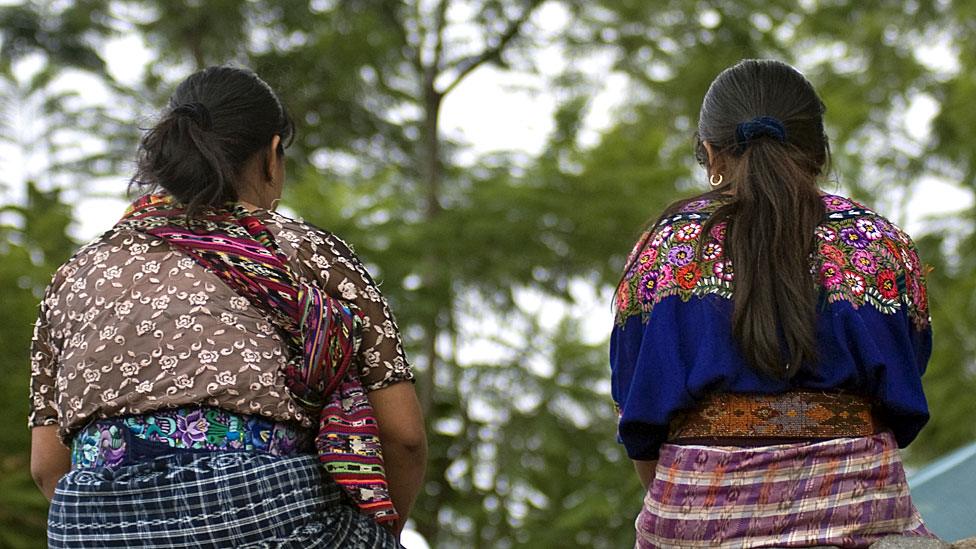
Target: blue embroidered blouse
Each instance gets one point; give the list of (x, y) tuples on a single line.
[(672, 343)]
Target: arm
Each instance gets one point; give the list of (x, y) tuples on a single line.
[(645, 470), (401, 426), (49, 459)]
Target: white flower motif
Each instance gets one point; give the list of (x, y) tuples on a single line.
[(112, 272), (129, 369), (372, 294), (226, 378), (78, 285), (348, 290), (138, 248), (198, 298), (185, 263), (109, 394), (388, 329), (160, 302), (123, 308), (107, 332), (92, 375), (250, 355), (238, 303), (320, 261), (207, 356), (372, 358), (150, 267), (183, 382), (101, 256), (168, 363), (144, 387), (184, 322), (145, 327), (266, 379)]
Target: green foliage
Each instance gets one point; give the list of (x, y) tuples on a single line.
[(521, 428), (31, 247)]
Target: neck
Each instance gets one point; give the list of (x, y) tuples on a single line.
[(250, 206)]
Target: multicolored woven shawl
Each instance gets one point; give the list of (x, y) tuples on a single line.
[(323, 333)]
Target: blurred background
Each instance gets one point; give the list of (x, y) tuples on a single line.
[(493, 162)]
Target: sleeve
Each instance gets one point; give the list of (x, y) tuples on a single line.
[(626, 344), (641, 440), (341, 274), (904, 345), (880, 318), (43, 363)]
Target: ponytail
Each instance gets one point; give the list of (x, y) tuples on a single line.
[(771, 218), (182, 151)]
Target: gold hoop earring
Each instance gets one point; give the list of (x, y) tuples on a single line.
[(713, 182)]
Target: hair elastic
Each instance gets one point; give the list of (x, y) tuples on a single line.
[(759, 127)]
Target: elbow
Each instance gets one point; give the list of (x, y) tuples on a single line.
[(413, 444), (45, 479), (408, 443)]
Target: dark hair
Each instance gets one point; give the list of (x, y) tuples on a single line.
[(764, 123), (216, 120)]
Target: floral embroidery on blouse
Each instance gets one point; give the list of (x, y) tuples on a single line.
[(861, 258)]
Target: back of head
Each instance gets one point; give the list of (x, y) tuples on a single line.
[(763, 123), (215, 122)]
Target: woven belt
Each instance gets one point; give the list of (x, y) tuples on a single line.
[(116, 441), (794, 414)]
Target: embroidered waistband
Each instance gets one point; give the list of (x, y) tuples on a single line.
[(115, 441), (794, 414)]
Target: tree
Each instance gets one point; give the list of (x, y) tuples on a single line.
[(522, 450)]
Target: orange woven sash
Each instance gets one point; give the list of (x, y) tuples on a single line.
[(794, 414)]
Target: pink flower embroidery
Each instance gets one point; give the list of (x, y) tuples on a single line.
[(864, 261), (831, 275)]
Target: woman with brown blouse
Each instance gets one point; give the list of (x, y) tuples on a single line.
[(211, 373)]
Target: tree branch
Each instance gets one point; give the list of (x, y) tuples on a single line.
[(468, 64), (440, 22), (413, 50)]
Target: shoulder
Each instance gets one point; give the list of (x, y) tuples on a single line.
[(101, 253), (302, 235), (864, 258), (681, 255)]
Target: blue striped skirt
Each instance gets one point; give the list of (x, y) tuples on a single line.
[(209, 499)]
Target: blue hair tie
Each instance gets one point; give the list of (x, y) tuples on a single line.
[(758, 127)]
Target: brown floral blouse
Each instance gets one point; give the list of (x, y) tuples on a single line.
[(129, 325)]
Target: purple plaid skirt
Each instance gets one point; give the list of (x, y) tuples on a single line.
[(848, 492)]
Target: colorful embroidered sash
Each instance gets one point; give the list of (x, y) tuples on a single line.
[(109, 442), (323, 333)]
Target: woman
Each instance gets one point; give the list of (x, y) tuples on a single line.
[(222, 374), (763, 404)]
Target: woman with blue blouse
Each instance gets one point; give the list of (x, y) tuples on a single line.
[(769, 341)]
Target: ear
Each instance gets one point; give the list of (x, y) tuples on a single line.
[(713, 161), (272, 158)]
